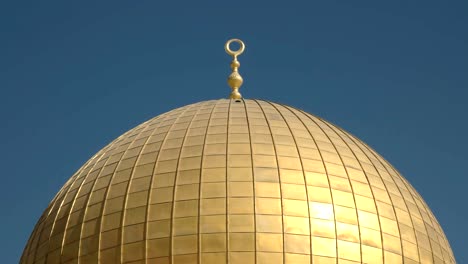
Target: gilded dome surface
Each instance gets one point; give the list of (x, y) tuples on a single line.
[(237, 181)]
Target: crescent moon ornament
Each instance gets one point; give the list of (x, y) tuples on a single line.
[(235, 79)]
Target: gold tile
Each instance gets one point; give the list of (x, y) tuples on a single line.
[(293, 191), (287, 150), (213, 223), (213, 257), (238, 135), (186, 192), (166, 166), (322, 228), (269, 223), (369, 220), (143, 170), (296, 258), (239, 148), (289, 163), (389, 226), (213, 190), (292, 176), (188, 177), (357, 175), (111, 221), (347, 232), (269, 242), (111, 255), (241, 205), (349, 250), (361, 188), (317, 179), (164, 180), (313, 165), (158, 229), (372, 254), (309, 153), (390, 257), (192, 151), (323, 260), (215, 149), (343, 198), (214, 161), (240, 174), (266, 175), (133, 233), (265, 149), (159, 211), (184, 226), (319, 194), (392, 244), (324, 246), (190, 163), (239, 161), (117, 190), (186, 208), (214, 174), (268, 206), (241, 223), (93, 211), (158, 247), (184, 244), (215, 242), (110, 238), (269, 258), (242, 257), (161, 195), (321, 210), (241, 241), (371, 237), (133, 251), (267, 189), (340, 184), (134, 215), (240, 189), (346, 215), (114, 205), (137, 199), (264, 161), (213, 206), (410, 250), (296, 244), (97, 196), (295, 208), (407, 233)]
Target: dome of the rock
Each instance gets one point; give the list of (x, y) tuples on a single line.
[(237, 181)]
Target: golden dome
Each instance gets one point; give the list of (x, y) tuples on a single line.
[(237, 181)]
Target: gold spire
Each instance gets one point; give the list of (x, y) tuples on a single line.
[(235, 79)]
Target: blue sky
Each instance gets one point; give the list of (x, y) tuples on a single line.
[(74, 75)]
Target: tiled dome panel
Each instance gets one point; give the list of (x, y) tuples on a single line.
[(237, 182)]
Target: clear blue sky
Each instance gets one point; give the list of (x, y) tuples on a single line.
[(74, 75)]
